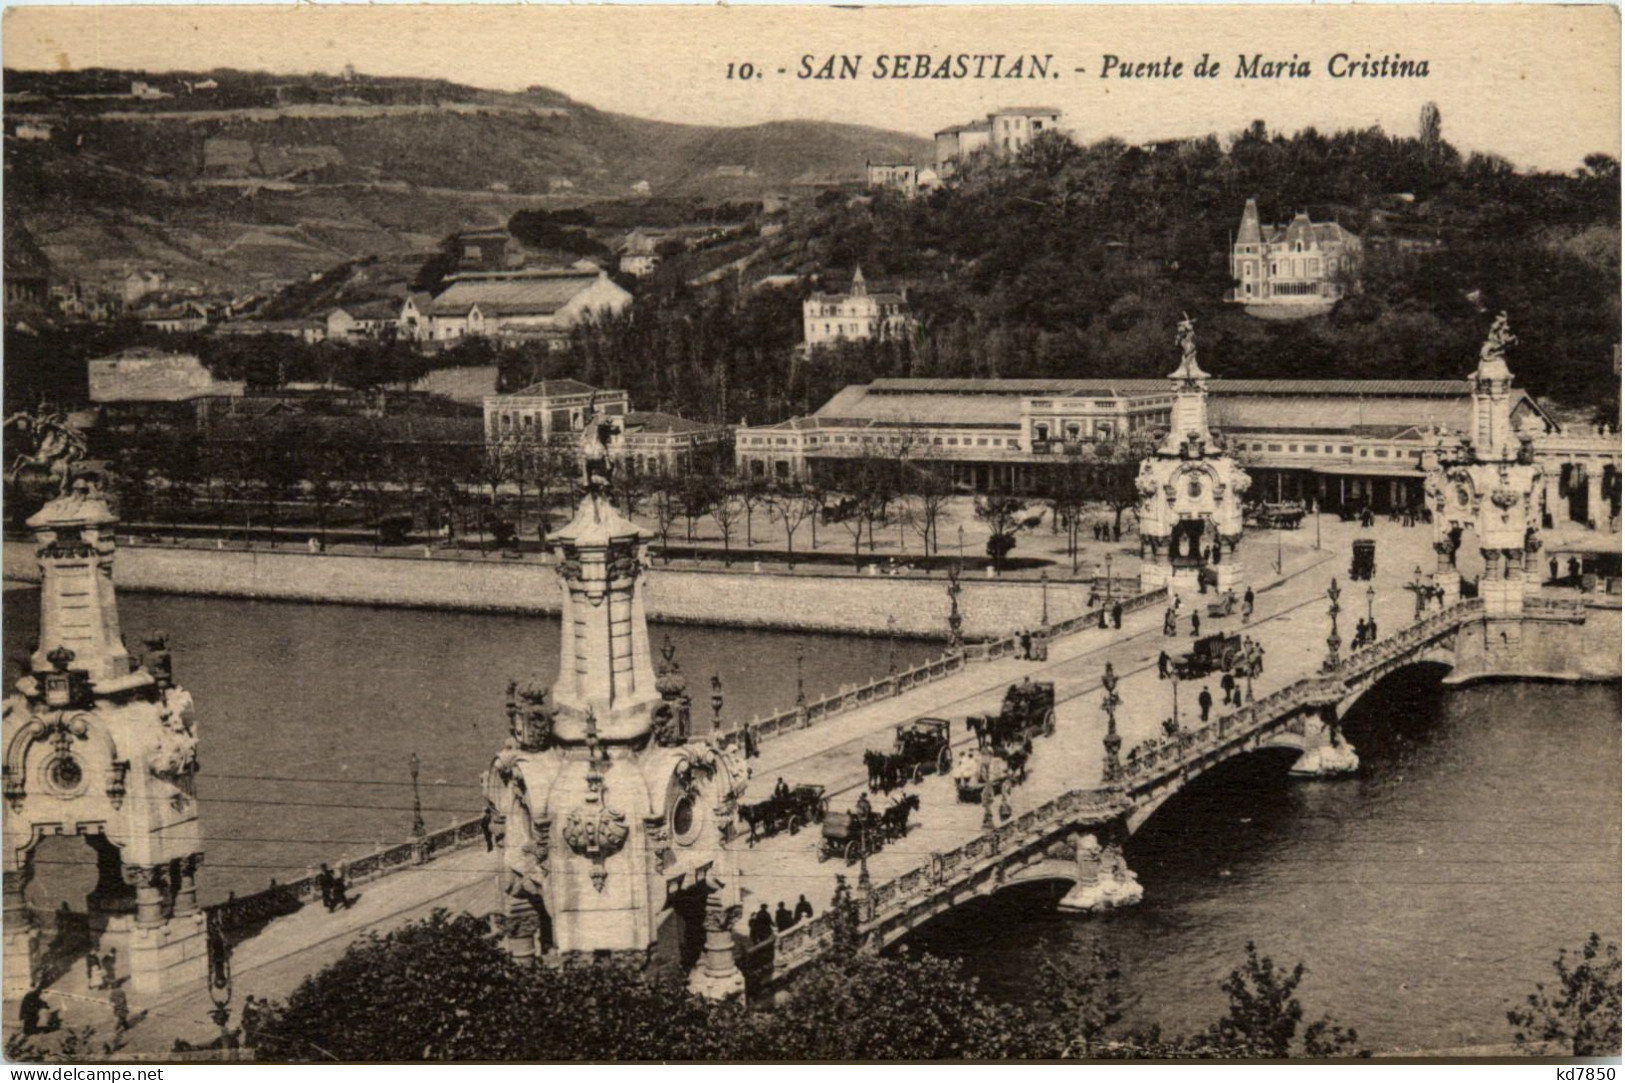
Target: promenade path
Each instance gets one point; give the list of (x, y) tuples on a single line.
[(1290, 621)]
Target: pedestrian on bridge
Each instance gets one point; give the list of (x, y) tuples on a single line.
[(1162, 665), (804, 909), (1168, 626), (1196, 624), (783, 920), (1205, 701), (761, 926), (1228, 686), (1117, 614)]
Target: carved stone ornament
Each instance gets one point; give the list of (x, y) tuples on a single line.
[(596, 834), (622, 562), (570, 563), (1505, 499)]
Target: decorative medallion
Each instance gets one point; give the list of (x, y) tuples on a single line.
[(596, 834)]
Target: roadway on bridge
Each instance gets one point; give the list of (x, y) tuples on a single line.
[(1290, 621)]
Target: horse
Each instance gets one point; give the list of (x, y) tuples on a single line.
[(761, 813), (894, 821), (1015, 761), (887, 770)]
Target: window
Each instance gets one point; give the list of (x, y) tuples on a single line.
[(1275, 447), (937, 440), (1292, 447), (1012, 442), (1382, 453), (1363, 453), (1314, 266), (981, 441), (953, 441), (1346, 449), (1310, 449)]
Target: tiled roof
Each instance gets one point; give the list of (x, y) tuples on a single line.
[(548, 389), (531, 296), (654, 421)]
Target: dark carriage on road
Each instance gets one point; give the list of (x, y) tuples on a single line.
[(922, 747), (1217, 653), (1363, 562), (1028, 711), (803, 805), (1284, 516), (852, 835)]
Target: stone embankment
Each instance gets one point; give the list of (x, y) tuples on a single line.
[(912, 605)]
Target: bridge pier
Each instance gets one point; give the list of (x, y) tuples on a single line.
[(1326, 752), (1104, 881)]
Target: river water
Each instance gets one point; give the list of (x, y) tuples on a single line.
[(1426, 896), (308, 714)]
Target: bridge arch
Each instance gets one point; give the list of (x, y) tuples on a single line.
[(1438, 658), (1284, 745)]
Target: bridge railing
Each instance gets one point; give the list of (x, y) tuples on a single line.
[(241, 916), (1160, 756), (944, 871), (851, 698)]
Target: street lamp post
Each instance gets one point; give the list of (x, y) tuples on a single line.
[(1280, 559), (1112, 741), (1370, 600), (1108, 579), (1043, 587), (956, 620), (1333, 642), (716, 702), (801, 689), (962, 544), (891, 645), (418, 830)]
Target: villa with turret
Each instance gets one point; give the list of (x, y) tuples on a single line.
[(854, 316), (1302, 263)]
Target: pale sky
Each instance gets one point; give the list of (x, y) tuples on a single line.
[(1539, 85)]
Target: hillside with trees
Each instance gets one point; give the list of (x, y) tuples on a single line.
[(1077, 261)]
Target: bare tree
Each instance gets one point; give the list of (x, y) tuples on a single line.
[(750, 492), (725, 511), (666, 496), (926, 496), (793, 504)]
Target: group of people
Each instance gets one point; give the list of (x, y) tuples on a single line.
[(1365, 632), (764, 926), (101, 972), (1107, 532), (335, 892), (1113, 611)]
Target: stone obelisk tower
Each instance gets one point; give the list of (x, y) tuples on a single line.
[(103, 749)]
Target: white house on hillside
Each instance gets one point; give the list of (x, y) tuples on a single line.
[(520, 304)]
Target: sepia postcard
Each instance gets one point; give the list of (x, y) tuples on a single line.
[(804, 534)]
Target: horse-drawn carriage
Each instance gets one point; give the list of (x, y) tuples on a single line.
[(802, 805), (1219, 653), (1363, 562), (922, 747), (1028, 711), (853, 835)]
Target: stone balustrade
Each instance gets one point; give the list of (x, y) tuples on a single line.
[(945, 872), (240, 915), (850, 698), (1162, 756)]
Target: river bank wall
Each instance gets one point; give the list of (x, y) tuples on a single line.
[(915, 606)]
